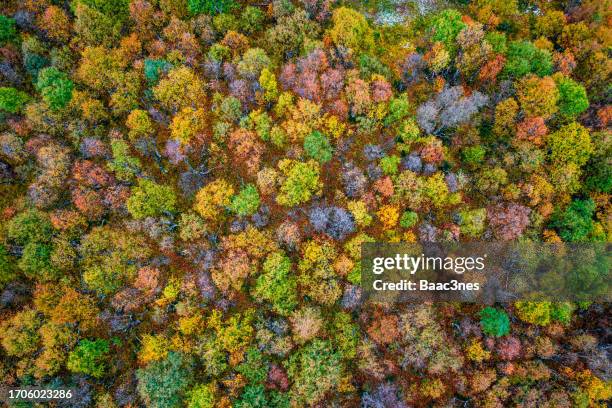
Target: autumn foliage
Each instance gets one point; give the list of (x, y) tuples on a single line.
[(185, 187)]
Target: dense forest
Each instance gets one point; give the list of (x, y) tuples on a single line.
[(185, 186)]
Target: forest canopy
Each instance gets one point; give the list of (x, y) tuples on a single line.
[(185, 187)]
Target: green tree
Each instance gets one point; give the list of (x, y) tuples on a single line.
[(253, 368), (109, 277), (494, 322), (154, 69), (202, 396), (598, 171), (370, 65), (390, 164), (444, 27), (163, 384), (301, 182), (251, 20), (7, 29), (259, 121), (35, 262), (599, 175), (230, 109), (219, 52), (246, 202), (562, 312), (211, 7), (277, 284), (118, 9), (497, 41), (575, 223), (543, 313), (473, 222), (409, 219), (253, 62), (12, 100), (345, 334), (317, 147), (7, 272), (572, 97), (30, 226), (315, 370), (399, 108), (150, 199), (253, 396), (279, 400), (523, 58), (473, 155), (93, 27), (90, 357), (55, 87), (125, 166)]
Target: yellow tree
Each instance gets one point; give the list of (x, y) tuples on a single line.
[(182, 88), (213, 199), (187, 124)]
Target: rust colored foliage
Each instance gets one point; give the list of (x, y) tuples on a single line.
[(532, 130), (55, 22), (247, 150), (491, 69), (508, 221), (384, 329)]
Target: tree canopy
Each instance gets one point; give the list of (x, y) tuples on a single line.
[(186, 188)]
